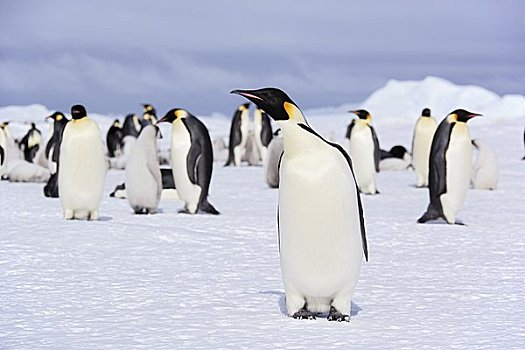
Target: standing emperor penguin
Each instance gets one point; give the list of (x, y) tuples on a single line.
[(114, 139), (149, 115), (322, 236), (363, 148), (238, 135), (3, 150), (485, 171), (263, 131), (30, 143), (422, 140), (82, 167), (449, 167), (191, 160), (53, 153), (131, 126), (143, 177)]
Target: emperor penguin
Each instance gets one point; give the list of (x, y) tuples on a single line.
[(449, 167), (421, 141), (398, 158), (82, 167), (485, 171), (262, 130), (239, 131), (149, 115), (363, 148), (114, 139), (143, 177), (273, 156), (30, 143), (3, 151), (53, 153), (321, 226), (131, 126), (191, 160)]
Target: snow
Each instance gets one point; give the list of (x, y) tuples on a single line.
[(171, 281)]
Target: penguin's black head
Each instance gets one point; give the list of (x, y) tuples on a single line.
[(273, 101), (57, 116), (33, 126), (462, 115), (398, 151), (149, 109), (361, 113), (78, 112), (173, 115), (425, 112)]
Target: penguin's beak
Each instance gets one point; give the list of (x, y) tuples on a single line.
[(249, 94), (472, 115), (162, 120), (354, 112)]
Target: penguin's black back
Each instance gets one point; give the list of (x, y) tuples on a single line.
[(235, 136)]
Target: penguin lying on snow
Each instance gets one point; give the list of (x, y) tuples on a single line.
[(449, 167), (82, 167), (485, 169), (322, 236), (168, 186), (396, 159), (191, 159), (143, 178)]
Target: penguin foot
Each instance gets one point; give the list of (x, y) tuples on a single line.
[(184, 211), (304, 314), (335, 315)]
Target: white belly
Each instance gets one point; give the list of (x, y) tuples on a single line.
[(180, 147), (423, 134), (459, 160), (320, 240), (82, 167), (142, 189), (361, 151), (485, 171)]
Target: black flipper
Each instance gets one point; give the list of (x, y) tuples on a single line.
[(349, 129), (235, 136), (167, 178), (2, 155), (377, 150), (266, 129)]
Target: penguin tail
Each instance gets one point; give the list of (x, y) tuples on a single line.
[(430, 214), (208, 208)]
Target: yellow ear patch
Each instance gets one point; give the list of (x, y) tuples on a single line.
[(452, 118), (180, 113), (148, 108), (59, 117), (290, 109)]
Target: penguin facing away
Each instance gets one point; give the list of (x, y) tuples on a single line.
[(168, 186), (450, 165), (52, 152), (131, 126), (114, 140), (30, 143), (143, 177), (363, 148), (238, 135), (191, 160), (322, 236), (82, 167), (485, 171), (262, 130), (424, 131)]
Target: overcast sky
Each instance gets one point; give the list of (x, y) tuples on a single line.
[(114, 55)]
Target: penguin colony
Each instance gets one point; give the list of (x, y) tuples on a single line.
[(321, 247)]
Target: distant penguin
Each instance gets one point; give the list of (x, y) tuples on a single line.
[(523, 142), (114, 139), (3, 151), (239, 131), (143, 178), (30, 143), (168, 186), (149, 115), (252, 156), (53, 153), (449, 167), (322, 237), (191, 160), (273, 155), (485, 171), (422, 140), (397, 159), (220, 151), (131, 126), (82, 167), (262, 128), (363, 148)]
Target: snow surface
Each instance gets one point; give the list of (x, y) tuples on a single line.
[(170, 281)]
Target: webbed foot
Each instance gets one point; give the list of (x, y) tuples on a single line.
[(335, 315)]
